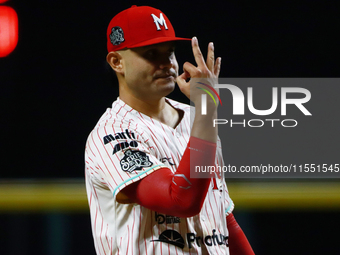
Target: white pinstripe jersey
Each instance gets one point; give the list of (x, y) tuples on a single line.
[(124, 147)]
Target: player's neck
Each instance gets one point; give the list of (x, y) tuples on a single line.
[(157, 109)]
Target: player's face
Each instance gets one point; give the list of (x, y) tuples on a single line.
[(151, 71)]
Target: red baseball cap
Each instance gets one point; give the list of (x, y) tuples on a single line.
[(139, 26)]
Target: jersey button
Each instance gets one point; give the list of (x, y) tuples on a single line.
[(178, 135)]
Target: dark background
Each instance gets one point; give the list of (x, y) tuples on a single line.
[(56, 84)]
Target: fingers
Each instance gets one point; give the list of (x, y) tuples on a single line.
[(182, 83), (211, 57), (205, 70), (217, 67), (192, 70), (212, 65), (197, 53), (182, 79)]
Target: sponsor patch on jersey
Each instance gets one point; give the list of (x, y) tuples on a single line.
[(119, 136), (167, 219), (193, 241), (171, 237), (123, 145), (134, 161), (123, 140), (117, 35)]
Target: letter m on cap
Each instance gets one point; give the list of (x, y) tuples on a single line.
[(159, 21)]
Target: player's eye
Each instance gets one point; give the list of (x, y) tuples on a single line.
[(155, 54), (151, 54)]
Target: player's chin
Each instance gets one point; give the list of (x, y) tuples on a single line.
[(166, 83)]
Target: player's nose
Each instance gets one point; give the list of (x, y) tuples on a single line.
[(167, 62)]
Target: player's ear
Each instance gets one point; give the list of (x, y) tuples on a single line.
[(115, 60)]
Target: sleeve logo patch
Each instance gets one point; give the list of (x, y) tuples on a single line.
[(134, 161)]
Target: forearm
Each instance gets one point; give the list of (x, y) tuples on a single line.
[(176, 193), (203, 127)]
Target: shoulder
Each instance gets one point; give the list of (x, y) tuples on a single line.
[(120, 116), (121, 120)]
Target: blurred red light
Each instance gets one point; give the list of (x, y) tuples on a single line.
[(2, 1), (8, 30)]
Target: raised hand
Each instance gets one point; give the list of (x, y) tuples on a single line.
[(205, 72)]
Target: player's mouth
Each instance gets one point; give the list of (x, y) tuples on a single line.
[(171, 76), (168, 78)]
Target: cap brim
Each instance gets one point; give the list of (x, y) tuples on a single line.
[(158, 40)]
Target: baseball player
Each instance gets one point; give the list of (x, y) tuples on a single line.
[(139, 156)]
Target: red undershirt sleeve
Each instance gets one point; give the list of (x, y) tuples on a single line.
[(238, 242), (176, 193)]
